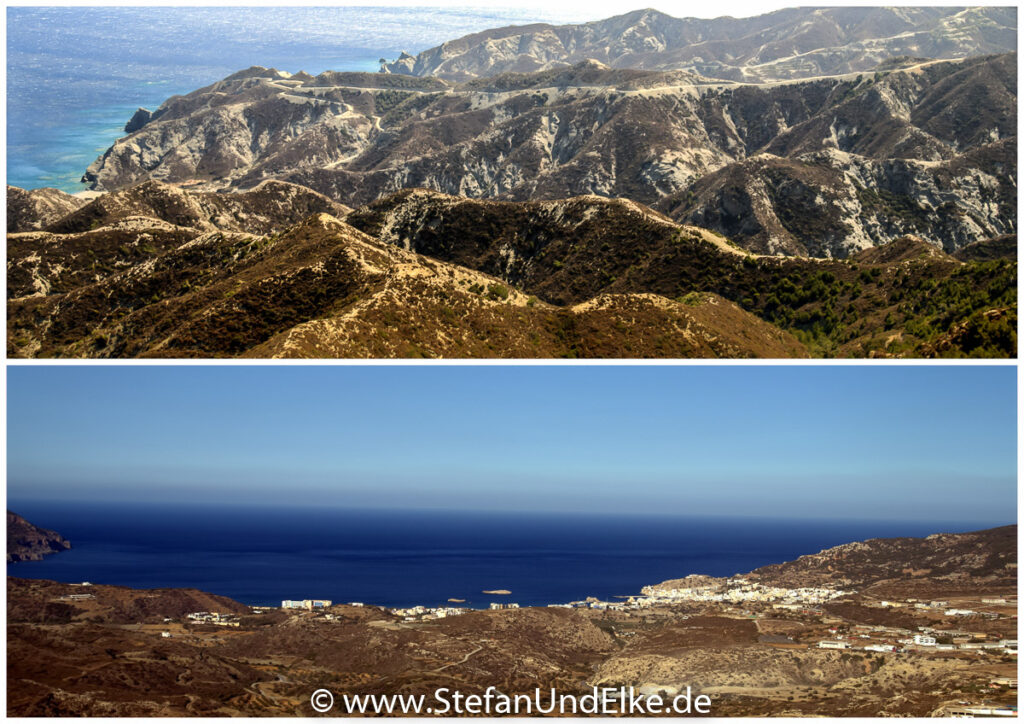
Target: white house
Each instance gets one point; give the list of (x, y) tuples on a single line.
[(833, 645)]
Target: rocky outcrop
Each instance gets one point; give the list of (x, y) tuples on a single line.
[(35, 209), (905, 249), (982, 332), (832, 203), (787, 44), (138, 120), (822, 168), (26, 542)]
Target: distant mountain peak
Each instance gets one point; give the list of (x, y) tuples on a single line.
[(782, 45)]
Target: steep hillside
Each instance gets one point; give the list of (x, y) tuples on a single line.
[(324, 289), (889, 158), (786, 44), (571, 250), (576, 277), (120, 229), (46, 602), (944, 561), (1001, 247), (32, 210), (26, 542), (269, 207), (822, 167), (982, 554)]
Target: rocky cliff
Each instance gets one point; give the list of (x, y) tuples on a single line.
[(822, 167), (26, 542), (787, 44)]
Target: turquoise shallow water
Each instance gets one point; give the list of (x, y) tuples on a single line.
[(76, 75)]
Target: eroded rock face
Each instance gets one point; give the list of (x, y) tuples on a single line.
[(821, 168), (787, 44), (833, 204), (138, 120)]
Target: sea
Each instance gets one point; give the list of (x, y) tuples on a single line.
[(75, 75), (262, 555)]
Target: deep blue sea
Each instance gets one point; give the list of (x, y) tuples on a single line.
[(75, 75), (261, 556)]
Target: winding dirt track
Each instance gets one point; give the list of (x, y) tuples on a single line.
[(464, 659)]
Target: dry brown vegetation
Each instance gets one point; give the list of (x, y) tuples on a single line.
[(106, 655), (421, 274)]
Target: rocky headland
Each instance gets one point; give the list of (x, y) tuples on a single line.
[(27, 542)]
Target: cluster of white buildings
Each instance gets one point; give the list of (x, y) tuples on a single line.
[(943, 606), (217, 619), (924, 641), (418, 613), (310, 604), (739, 590)]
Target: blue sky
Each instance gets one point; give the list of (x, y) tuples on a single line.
[(894, 442)]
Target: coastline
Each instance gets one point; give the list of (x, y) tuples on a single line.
[(76, 130), (458, 554)]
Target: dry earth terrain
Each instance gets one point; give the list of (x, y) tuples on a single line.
[(104, 650), (156, 270)]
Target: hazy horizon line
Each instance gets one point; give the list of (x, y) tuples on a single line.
[(297, 507)]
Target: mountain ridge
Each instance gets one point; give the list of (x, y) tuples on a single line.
[(821, 167), (944, 559), (422, 273), (324, 288), (784, 44)]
